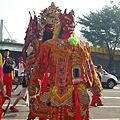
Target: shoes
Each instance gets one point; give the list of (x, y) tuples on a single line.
[(14, 109), (93, 105), (100, 104)]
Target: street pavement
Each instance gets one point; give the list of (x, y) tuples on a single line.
[(23, 108)]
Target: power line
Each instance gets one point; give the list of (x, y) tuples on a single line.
[(7, 31)]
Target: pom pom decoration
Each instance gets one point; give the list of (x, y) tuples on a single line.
[(73, 40)]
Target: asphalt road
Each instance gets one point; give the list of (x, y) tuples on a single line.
[(110, 110)]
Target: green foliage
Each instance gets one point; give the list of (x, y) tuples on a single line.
[(102, 28)]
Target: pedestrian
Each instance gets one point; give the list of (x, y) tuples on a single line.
[(97, 98), (67, 60), (21, 68), (8, 67), (22, 95), (1, 85)]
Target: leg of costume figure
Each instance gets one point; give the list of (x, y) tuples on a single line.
[(67, 113), (9, 84), (94, 99), (99, 100), (30, 117)]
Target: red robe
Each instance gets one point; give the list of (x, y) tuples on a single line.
[(71, 72)]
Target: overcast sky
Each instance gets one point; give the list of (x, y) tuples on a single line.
[(16, 17)]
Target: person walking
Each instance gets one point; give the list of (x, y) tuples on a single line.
[(97, 98), (21, 68), (8, 67), (22, 95)]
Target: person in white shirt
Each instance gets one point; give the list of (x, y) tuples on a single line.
[(21, 68)]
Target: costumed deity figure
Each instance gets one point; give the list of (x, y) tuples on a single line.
[(67, 60), (39, 30)]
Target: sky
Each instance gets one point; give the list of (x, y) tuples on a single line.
[(15, 15)]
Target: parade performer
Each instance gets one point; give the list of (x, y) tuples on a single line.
[(37, 33), (67, 60), (97, 97), (8, 67), (21, 69), (1, 85)]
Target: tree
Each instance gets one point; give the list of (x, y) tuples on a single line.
[(102, 29)]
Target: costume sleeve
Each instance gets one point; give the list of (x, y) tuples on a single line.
[(92, 77), (43, 59), (40, 67)]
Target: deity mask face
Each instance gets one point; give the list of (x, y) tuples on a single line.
[(67, 22)]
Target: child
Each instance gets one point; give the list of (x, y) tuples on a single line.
[(21, 68)]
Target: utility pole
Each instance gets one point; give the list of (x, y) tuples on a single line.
[(1, 30)]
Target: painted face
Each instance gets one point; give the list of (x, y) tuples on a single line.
[(29, 49), (67, 21)]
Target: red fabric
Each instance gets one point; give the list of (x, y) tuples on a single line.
[(24, 64), (65, 36), (42, 119), (7, 80), (45, 81), (0, 108), (30, 116), (77, 104), (96, 99)]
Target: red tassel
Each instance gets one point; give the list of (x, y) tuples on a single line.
[(77, 104), (45, 81)]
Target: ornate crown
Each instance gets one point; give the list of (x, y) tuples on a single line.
[(48, 16)]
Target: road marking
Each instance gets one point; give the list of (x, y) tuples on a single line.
[(110, 91), (112, 97), (19, 105), (110, 106), (116, 88)]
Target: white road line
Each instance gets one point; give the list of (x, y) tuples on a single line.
[(112, 97), (110, 91), (19, 105), (116, 88), (110, 106)]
